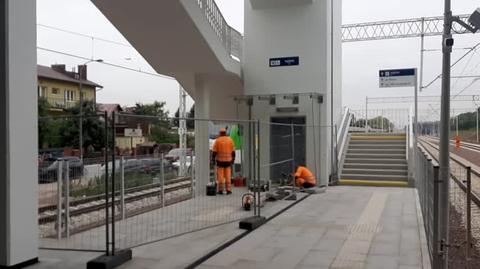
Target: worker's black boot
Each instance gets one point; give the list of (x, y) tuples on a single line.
[(229, 192), (220, 192)]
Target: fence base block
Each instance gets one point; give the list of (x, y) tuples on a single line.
[(252, 223), (109, 262)]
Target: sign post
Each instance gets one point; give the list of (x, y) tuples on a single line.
[(403, 78)]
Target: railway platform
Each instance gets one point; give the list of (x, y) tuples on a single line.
[(345, 227)]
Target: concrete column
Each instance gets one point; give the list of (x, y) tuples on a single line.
[(18, 134), (202, 149)]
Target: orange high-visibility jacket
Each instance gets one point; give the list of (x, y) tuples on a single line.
[(303, 172), (224, 149)]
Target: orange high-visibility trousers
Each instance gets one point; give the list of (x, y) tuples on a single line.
[(224, 177), (300, 182)]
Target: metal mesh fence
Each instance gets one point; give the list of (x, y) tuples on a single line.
[(464, 226), (140, 179), (71, 183)]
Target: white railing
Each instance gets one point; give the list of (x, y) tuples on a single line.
[(231, 39), (379, 121), (342, 132)]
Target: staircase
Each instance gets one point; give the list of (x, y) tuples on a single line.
[(376, 160)]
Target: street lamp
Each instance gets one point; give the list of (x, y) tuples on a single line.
[(444, 175), (80, 71)]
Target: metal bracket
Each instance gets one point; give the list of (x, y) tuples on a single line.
[(464, 24)]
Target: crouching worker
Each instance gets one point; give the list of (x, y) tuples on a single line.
[(223, 153), (304, 178)]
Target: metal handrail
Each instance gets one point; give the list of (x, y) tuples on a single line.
[(343, 132), (231, 39)]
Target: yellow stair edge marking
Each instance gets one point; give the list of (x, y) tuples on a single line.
[(373, 183)]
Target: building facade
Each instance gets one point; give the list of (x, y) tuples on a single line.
[(62, 88)]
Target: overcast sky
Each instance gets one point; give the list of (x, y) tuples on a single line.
[(361, 60)]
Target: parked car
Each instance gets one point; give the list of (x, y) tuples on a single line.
[(48, 171), (188, 165), (174, 154)]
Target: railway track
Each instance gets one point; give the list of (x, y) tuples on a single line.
[(432, 148), (48, 214), (466, 145)]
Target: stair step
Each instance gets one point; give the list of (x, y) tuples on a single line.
[(376, 142), (373, 183), (377, 151), (379, 134), (378, 138), (376, 146), (374, 161), (391, 166), (350, 171), (374, 177), (375, 156)]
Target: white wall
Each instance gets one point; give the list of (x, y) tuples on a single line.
[(19, 113), (302, 30)]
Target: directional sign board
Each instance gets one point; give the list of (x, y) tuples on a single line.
[(398, 78), (284, 61)]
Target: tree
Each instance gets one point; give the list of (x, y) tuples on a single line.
[(160, 127), (93, 127), (43, 123)]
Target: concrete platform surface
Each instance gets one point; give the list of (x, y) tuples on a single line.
[(348, 227)]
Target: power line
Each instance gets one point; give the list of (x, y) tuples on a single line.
[(106, 63), (455, 63), (83, 35)]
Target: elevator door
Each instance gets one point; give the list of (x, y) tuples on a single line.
[(281, 145)]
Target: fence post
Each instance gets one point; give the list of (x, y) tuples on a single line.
[(67, 199), (259, 201), (107, 228), (366, 114), (162, 179), (436, 241), (469, 216), (113, 180), (191, 175), (59, 199), (477, 124), (122, 186), (294, 187)]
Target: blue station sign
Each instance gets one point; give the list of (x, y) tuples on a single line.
[(398, 78), (284, 61)]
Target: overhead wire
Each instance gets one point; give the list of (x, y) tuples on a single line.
[(83, 35), (454, 64), (106, 63)]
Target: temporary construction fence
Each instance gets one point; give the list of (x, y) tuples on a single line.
[(72, 184), (136, 186), (464, 221)]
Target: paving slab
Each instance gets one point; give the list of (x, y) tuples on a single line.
[(346, 227)]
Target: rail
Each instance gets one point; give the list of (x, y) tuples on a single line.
[(231, 39)]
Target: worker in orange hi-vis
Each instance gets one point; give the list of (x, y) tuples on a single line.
[(304, 178), (223, 153), (458, 142)]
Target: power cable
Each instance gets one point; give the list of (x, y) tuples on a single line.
[(455, 63), (83, 35), (106, 63)]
